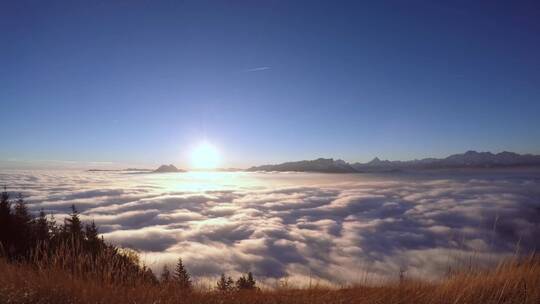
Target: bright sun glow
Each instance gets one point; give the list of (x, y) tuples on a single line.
[(205, 156)]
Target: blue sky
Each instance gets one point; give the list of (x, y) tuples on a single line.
[(142, 82)]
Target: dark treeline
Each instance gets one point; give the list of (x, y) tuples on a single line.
[(76, 247)]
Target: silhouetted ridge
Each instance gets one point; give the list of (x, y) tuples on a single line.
[(167, 168), (326, 165), (469, 159)]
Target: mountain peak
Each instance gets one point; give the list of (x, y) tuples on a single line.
[(167, 168), (375, 160)]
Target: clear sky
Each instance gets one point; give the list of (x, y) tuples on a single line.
[(142, 82)]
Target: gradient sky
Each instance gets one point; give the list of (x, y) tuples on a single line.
[(142, 82)]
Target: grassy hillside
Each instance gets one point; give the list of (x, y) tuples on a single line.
[(43, 262), (511, 282)]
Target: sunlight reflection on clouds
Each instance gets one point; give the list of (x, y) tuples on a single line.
[(338, 228)]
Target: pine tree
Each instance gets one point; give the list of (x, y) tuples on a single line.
[(41, 228), (5, 204), (246, 283), (22, 222), (73, 225), (230, 283), (5, 223), (181, 276), (165, 274), (222, 283), (21, 211), (148, 275), (225, 284), (91, 232), (53, 227), (251, 280), (92, 238)]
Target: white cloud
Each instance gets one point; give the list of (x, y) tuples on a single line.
[(331, 228), (258, 69)]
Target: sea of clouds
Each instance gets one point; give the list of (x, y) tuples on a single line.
[(305, 227)]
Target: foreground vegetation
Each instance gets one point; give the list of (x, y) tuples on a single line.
[(513, 282), (42, 262)]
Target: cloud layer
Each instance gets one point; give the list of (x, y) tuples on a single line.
[(331, 228)]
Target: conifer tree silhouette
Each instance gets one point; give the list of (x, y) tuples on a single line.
[(41, 229), (165, 274), (92, 237), (22, 221), (181, 276), (225, 284), (73, 225), (25, 239), (246, 283), (5, 223)]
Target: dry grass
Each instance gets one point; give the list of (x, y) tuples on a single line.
[(511, 282)]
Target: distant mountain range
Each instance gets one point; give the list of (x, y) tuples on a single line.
[(469, 159), (325, 165)]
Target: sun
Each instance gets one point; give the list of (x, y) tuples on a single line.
[(205, 156)]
